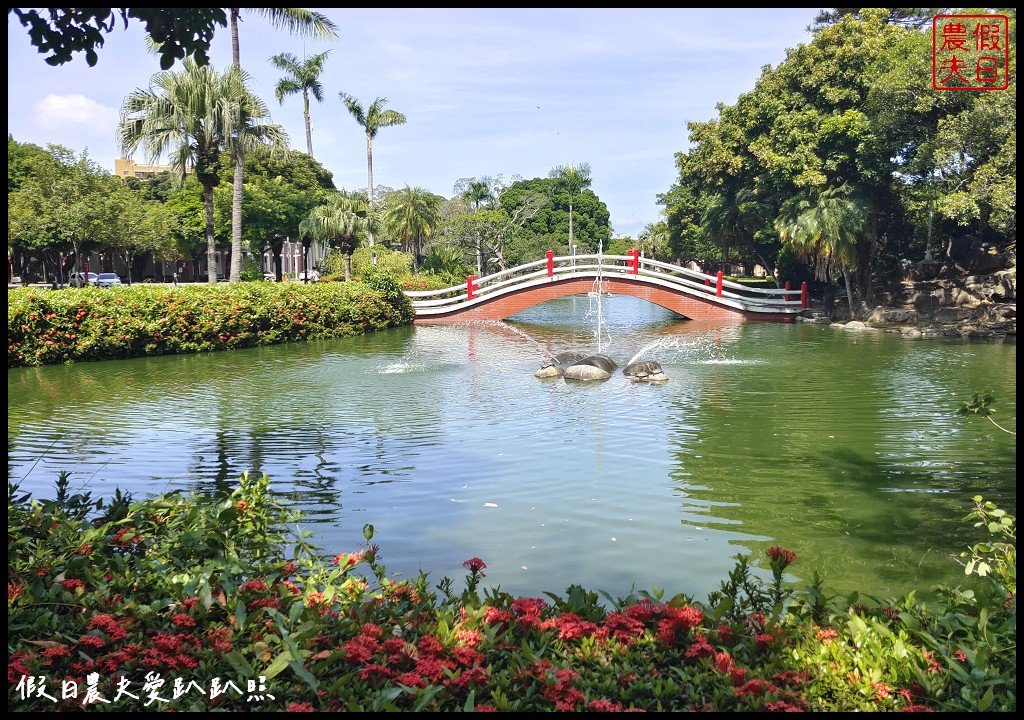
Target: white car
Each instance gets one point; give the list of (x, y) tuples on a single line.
[(107, 280), (80, 280), (308, 276)]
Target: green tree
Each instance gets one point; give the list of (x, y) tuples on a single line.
[(191, 116), (280, 193), (303, 78), (573, 180), (411, 216), (176, 32), (54, 212), (188, 229), (476, 192), (915, 18), (372, 119), (340, 222), (137, 227), (296, 20), (826, 230), (652, 238)]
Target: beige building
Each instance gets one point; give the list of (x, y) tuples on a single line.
[(129, 168)]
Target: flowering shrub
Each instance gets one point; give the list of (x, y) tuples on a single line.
[(47, 327), (194, 603)]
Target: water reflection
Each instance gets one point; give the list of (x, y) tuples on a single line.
[(845, 448)]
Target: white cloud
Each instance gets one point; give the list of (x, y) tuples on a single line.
[(74, 112)]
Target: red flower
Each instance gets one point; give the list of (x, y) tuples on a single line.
[(572, 627), (347, 560), (700, 648), (623, 627), (475, 566), (91, 641), (411, 679), (300, 707), (72, 585), (496, 616), (254, 586), (826, 636), (604, 706), (781, 555), (430, 644)]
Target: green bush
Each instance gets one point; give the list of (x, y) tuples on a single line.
[(196, 603), (47, 327)]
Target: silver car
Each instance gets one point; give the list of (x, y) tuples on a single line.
[(107, 280)]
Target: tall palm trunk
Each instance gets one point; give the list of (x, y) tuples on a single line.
[(239, 177), (309, 124), (211, 240)]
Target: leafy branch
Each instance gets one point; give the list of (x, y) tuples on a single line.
[(980, 405)]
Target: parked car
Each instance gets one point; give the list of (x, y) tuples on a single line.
[(107, 279), (308, 276), (80, 280)]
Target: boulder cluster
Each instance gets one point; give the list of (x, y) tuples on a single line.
[(581, 367)]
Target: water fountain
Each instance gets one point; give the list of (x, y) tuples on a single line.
[(599, 366)]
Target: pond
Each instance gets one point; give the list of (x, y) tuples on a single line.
[(842, 446)]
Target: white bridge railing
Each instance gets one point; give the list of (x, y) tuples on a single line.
[(707, 288)]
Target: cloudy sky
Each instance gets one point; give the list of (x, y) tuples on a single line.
[(501, 93)]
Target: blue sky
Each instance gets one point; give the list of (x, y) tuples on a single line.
[(504, 93)]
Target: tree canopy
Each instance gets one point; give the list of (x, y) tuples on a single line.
[(176, 33)]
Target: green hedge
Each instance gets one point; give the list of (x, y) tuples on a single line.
[(47, 327)]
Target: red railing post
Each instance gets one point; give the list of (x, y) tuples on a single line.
[(718, 285), (551, 263), (803, 295), (786, 297), (470, 287), (635, 261)]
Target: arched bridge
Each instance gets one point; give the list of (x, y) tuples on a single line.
[(692, 294)]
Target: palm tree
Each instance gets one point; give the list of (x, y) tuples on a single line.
[(732, 219), (296, 20), (827, 231), (190, 115), (573, 180), (653, 236), (371, 120), (475, 193), (303, 77), (412, 216), (340, 223)]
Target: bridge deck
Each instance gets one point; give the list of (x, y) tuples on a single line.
[(691, 294)]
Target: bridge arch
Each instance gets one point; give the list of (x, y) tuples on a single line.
[(690, 294)]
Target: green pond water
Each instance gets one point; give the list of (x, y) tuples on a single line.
[(844, 447)]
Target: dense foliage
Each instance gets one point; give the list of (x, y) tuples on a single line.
[(195, 603), (845, 159), (58, 326)]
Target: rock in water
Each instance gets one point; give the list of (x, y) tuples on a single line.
[(549, 371), (586, 372), (601, 361), (647, 367), (569, 357)]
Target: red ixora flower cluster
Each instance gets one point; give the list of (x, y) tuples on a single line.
[(475, 566), (781, 555)]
